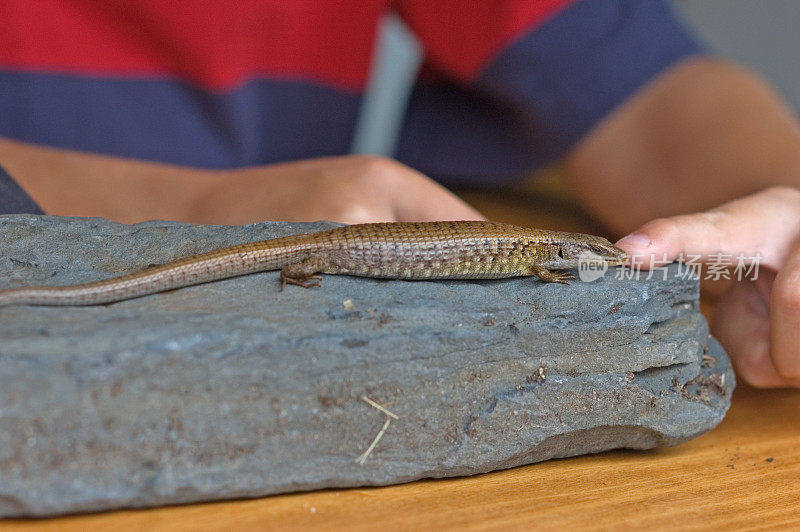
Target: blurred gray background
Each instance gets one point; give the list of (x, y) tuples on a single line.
[(763, 34)]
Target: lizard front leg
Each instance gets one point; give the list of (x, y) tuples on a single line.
[(300, 272), (551, 277)]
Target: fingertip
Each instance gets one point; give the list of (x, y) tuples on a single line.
[(789, 371), (785, 316), (656, 238), (634, 243)]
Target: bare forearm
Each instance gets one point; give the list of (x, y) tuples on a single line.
[(80, 184), (703, 133), (350, 189)]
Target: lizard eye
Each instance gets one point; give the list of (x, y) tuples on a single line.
[(560, 252)]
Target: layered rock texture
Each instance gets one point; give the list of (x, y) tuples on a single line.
[(236, 389)]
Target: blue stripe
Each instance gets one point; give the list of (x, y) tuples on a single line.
[(168, 121), (543, 93), (464, 138)]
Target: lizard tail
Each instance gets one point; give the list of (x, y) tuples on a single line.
[(213, 266)]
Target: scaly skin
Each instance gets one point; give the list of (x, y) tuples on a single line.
[(424, 250)]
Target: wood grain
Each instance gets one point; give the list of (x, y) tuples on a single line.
[(743, 474)]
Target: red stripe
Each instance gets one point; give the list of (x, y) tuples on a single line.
[(215, 44), (219, 45), (462, 37)]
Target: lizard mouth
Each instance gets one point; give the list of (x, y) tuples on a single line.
[(609, 253), (610, 257), (618, 259)]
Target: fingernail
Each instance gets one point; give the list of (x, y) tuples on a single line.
[(635, 241)]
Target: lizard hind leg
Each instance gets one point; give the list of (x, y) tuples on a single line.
[(302, 272)]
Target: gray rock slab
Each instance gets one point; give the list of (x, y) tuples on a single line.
[(235, 389)]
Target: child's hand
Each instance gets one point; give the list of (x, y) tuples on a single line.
[(758, 321)]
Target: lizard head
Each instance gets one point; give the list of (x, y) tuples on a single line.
[(589, 248)]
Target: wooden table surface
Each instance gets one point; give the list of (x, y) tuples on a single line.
[(743, 474)]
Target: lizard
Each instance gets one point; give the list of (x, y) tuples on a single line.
[(392, 250)]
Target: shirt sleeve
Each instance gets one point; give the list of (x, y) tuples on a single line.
[(561, 68), (14, 200)]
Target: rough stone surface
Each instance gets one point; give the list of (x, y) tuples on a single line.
[(235, 389)]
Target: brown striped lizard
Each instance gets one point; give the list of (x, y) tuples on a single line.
[(398, 250)]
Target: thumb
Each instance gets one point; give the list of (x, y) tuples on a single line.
[(765, 223)]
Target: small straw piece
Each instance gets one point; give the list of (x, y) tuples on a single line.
[(389, 416), (373, 404), (363, 458)]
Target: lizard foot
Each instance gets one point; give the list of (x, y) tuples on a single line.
[(544, 274), (561, 277), (300, 272), (303, 281)]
